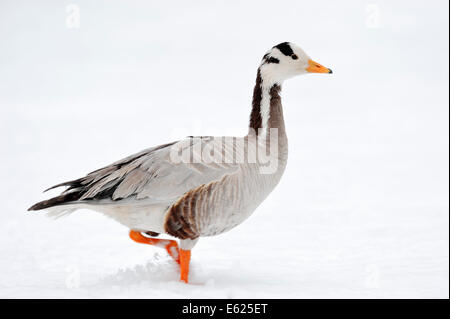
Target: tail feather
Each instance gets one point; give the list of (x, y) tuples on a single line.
[(74, 184), (56, 201)]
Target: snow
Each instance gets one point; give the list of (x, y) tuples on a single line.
[(362, 211)]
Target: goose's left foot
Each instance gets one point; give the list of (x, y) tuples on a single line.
[(171, 246), (181, 256)]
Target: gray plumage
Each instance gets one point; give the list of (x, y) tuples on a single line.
[(205, 194)]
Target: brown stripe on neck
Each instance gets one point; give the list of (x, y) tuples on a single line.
[(276, 119), (276, 112), (255, 115)]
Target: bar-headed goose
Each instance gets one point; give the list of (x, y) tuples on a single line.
[(198, 186)]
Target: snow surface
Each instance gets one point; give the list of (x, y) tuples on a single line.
[(362, 211)]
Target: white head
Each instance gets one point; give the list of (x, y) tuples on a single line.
[(286, 60)]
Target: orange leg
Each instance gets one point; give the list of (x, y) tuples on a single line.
[(171, 246), (185, 258)]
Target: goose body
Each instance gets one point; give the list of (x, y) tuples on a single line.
[(198, 186)]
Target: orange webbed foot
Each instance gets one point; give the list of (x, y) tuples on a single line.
[(171, 246), (181, 256)]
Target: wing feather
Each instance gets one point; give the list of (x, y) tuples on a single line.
[(152, 174)]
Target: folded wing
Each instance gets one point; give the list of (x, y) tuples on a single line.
[(159, 174)]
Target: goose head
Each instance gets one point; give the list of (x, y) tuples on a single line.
[(287, 60)]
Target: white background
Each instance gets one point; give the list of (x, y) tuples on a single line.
[(362, 210)]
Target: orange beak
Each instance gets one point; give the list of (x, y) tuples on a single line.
[(315, 67)]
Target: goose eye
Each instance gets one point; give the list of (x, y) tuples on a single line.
[(295, 57)]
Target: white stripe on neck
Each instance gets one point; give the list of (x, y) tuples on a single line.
[(268, 80), (264, 108)]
